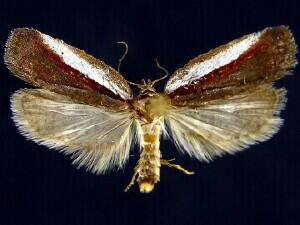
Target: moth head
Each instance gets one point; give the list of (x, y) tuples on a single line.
[(145, 86), (148, 86)]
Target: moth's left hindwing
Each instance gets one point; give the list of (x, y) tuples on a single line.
[(82, 108), (223, 101), (96, 137)]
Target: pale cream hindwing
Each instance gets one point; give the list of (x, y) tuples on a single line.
[(227, 125), (95, 137)]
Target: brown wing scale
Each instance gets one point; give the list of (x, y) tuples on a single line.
[(31, 59), (269, 58)]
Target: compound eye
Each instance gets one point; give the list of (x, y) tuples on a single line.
[(143, 81)]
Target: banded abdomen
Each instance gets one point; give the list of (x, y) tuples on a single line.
[(148, 166)]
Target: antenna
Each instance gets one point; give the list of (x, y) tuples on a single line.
[(161, 68), (124, 54), (132, 83)]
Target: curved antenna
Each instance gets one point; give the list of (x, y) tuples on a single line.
[(124, 54), (132, 83), (161, 68)]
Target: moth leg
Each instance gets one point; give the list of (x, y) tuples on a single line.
[(131, 181), (175, 166)]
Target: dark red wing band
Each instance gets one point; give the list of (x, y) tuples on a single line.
[(269, 58), (218, 74), (75, 75), (40, 59)]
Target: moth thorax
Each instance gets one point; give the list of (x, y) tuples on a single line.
[(151, 107)]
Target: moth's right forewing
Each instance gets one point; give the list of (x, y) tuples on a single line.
[(251, 60), (44, 61)]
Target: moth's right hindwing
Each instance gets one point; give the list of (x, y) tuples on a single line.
[(96, 137), (227, 125)]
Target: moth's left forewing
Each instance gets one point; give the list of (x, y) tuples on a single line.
[(50, 63), (223, 101)]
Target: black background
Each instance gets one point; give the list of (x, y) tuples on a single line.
[(258, 186)]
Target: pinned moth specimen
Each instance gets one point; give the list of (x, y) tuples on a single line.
[(220, 102)]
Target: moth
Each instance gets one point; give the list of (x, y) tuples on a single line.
[(220, 102)]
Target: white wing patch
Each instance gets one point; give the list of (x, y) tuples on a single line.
[(227, 126), (96, 138), (90, 70), (216, 61)]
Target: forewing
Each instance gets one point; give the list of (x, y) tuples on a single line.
[(95, 137), (47, 62), (227, 125), (230, 69)]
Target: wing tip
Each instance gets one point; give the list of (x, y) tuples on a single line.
[(12, 56)]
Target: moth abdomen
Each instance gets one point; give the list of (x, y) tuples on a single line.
[(147, 170), (148, 167)]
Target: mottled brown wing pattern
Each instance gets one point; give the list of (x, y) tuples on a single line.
[(50, 63), (251, 60), (223, 101)]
